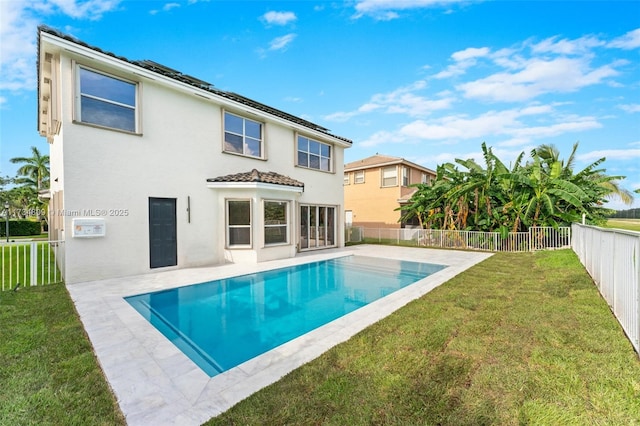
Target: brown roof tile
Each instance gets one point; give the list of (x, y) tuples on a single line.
[(259, 177)]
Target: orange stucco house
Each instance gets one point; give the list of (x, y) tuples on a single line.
[(376, 186)]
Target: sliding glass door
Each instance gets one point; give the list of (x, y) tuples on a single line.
[(317, 226)]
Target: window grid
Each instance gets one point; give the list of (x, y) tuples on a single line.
[(238, 223), (313, 154), (276, 222), (242, 135), (359, 177)]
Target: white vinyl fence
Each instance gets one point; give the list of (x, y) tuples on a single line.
[(612, 258), (537, 238), (29, 263)]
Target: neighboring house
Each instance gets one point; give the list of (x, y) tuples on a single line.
[(376, 186), (154, 169)]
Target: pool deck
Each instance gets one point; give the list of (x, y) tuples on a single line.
[(156, 384)]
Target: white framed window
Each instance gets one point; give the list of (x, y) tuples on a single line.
[(358, 177), (390, 176), (425, 178), (314, 155), (346, 179), (405, 176), (242, 136), (276, 222), (238, 223), (106, 101)]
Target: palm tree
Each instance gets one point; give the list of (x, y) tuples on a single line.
[(34, 170)]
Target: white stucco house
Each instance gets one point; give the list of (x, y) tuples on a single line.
[(152, 169)]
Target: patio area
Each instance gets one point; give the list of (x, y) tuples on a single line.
[(155, 383)]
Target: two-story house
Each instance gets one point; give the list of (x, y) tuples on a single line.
[(376, 186), (154, 169)]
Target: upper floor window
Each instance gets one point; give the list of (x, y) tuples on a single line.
[(314, 154), (346, 179), (390, 176), (106, 101), (358, 177), (242, 136), (425, 178), (276, 223), (405, 176)]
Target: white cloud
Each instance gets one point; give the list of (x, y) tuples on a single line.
[(91, 9), (508, 124), (463, 59), (611, 154), (630, 108), (385, 9), (537, 77), (630, 40), (281, 43), (17, 25), (403, 100), (279, 18), (470, 53), (567, 47)]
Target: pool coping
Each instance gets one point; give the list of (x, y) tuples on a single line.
[(155, 383)]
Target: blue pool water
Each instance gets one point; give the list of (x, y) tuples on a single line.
[(221, 324)]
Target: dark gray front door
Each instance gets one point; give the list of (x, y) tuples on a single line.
[(163, 248)]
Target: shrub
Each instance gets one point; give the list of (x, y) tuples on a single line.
[(19, 228)]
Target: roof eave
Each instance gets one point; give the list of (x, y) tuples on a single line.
[(255, 186)]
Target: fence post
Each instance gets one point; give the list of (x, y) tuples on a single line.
[(33, 267)]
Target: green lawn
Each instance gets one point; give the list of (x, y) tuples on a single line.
[(518, 339), (49, 374), (628, 224)]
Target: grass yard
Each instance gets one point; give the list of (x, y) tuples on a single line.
[(49, 374), (517, 339), (628, 224)]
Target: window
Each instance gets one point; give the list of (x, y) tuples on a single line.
[(313, 154), (425, 178), (390, 176), (238, 223), (358, 177), (276, 223), (106, 101), (346, 180), (405, 176), (242, 136)]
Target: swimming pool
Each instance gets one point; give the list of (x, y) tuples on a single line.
[(223, 323)]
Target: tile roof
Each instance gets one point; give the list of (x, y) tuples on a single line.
[(259, 177), (382, 160), (195, 82)]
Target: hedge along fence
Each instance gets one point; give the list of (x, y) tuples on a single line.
[(20, 228)]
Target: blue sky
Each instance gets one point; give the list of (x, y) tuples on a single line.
[(426, 80)]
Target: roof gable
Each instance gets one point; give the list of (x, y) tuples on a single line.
[(378, 160)]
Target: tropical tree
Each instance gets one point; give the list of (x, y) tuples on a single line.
[(543, 192), (34, 170), (33, 177)]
